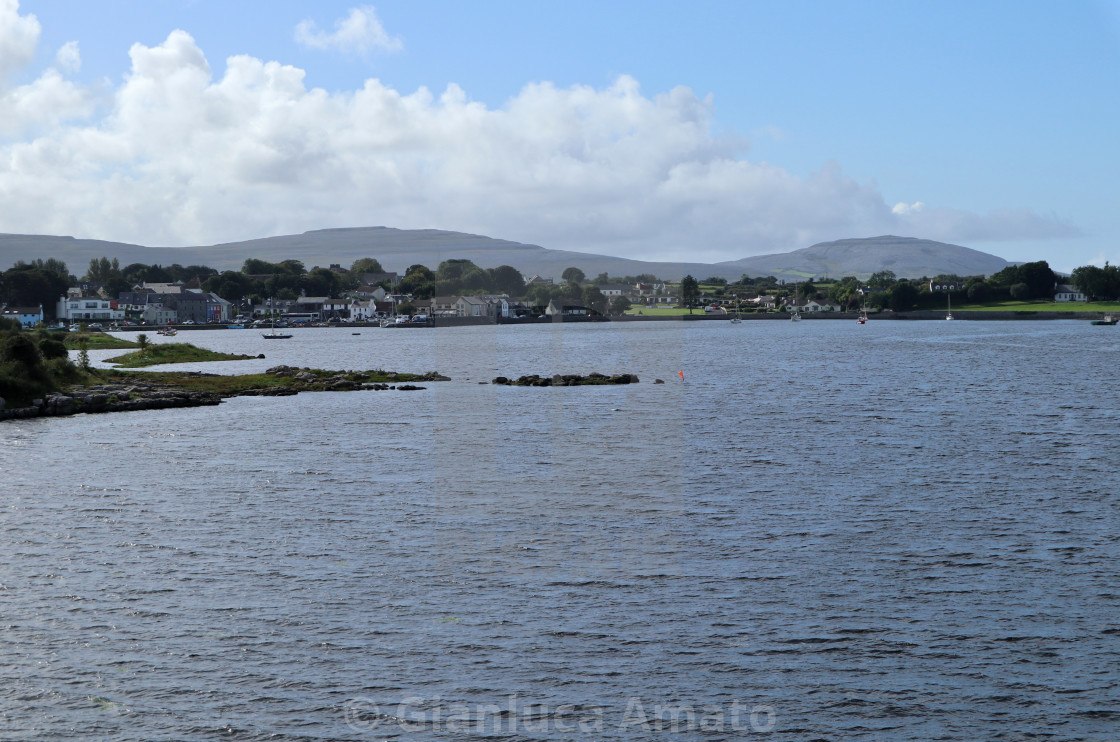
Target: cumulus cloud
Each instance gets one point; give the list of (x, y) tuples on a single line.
[(179, 154), (359, 32), (48, 100), (18, 36), (69, 58), (997, 225)]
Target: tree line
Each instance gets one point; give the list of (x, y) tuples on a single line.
[(43, 281)]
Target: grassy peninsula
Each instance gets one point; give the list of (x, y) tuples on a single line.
[(38, 377), (92, 341), (155, 355)]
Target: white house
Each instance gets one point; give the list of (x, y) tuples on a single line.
[(1066, 292), (362, 310), (87, 308)]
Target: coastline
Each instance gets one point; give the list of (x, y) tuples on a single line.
[(159, 390), (700, 316)]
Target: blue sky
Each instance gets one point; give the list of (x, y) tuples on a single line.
[(654, 130)]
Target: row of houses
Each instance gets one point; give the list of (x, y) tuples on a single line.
[(168, 303)]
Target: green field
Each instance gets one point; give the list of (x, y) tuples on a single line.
[(93, 340), (155, 355), (1043, 306)]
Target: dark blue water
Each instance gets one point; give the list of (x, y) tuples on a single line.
[(901, 531)]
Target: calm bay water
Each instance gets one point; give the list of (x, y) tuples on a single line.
[(900, 531)]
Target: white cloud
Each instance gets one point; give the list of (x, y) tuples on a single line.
[(902, 208), (359, 32), (46, 101), (997, 225), (181, 157), (69, 58), (18, 36)]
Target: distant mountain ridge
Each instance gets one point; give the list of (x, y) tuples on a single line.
[(907, 257), (397, 249)]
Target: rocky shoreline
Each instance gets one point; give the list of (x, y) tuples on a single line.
[(142, 395), (592, 379), (111, 398)]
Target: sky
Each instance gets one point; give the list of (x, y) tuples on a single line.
[(646, 129)]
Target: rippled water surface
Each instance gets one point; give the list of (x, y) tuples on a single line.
[(900, 531)]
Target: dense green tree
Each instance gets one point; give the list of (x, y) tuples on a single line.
[(25, 285), (1040, 279), (806, 290), (1020, 291), (1095, 282), (419, 281), (474, 280), (977, 291), (902, 296), (366, 265), (201, 272), (505, 279), (230, 285), (690, 292), (102, 269), (593, 298), (23, 375), (845, 292), (114, 286), (1037, 276), (540, 294), (882, 280), (319, 282), (620, 305), (292, 266), (257, 267), (49, 265), (573, 275), (140, 273), (454, 269), (282, 285), (50, 348)]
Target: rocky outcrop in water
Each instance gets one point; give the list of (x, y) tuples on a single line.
[(111, 398), (592, 379), (139, 395)]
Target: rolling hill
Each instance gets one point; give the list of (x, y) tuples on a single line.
[(397, 249)]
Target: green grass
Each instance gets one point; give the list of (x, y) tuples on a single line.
[(1040, 305), (155, 355), (226, 386), (660, 311), (94, 341)]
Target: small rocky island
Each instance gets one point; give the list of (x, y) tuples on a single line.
[(592, 379), (123, 391)]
